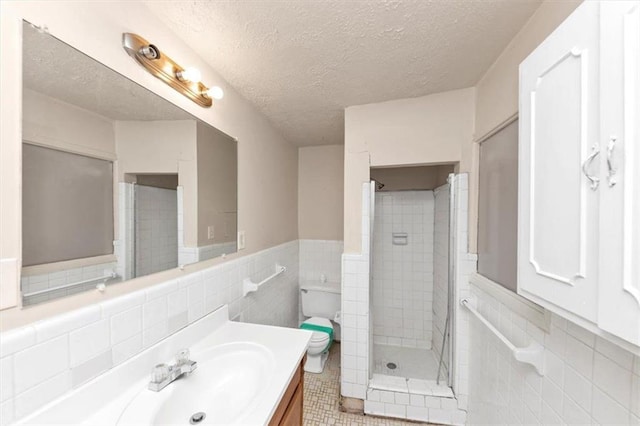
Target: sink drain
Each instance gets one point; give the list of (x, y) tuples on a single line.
[(197, 418), (391, 365)]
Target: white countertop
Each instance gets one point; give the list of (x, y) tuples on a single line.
[(103, 400)]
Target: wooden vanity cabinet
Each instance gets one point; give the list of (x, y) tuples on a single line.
[(289, 411)]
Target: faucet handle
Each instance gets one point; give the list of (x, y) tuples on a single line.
[(183, 357), (160, 373)]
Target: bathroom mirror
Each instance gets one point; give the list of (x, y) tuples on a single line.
[(117, 182)]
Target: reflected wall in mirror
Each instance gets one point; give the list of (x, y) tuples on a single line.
[(117, 182)]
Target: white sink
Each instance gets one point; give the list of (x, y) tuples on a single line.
[(243, 372), (228, 382)]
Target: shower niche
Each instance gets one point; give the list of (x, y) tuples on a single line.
[(410, 289)]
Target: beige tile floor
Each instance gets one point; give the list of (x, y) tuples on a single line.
[(322, 399)]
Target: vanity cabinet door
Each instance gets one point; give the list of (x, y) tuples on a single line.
[(619, 293), (559, 169), (293, 415)]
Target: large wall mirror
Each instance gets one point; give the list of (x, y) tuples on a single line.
[(117, 182)]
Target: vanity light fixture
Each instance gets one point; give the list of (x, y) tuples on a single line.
[(184, 80)]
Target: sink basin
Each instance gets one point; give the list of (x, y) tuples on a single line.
[(229, 380)]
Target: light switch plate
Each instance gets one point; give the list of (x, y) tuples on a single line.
[(210, 232), (241, 240)]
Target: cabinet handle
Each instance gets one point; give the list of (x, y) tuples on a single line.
[(594, 180), (611, 178)]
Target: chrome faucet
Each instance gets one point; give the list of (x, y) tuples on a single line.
[(163, 374)]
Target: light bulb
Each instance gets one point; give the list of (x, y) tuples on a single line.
[(189, 74), (215, 92)]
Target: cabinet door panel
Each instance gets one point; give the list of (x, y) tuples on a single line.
[(619, 309), (558, 209)]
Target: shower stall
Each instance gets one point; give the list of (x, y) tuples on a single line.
[(411, 284)]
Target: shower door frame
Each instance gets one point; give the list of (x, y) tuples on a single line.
[(451, 306)]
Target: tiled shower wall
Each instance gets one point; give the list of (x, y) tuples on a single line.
[(440, 269), (357, 331), (588, 380), (44, 360), (403, 274), (156, 229)]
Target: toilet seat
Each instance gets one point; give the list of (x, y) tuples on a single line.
[(319, 321)]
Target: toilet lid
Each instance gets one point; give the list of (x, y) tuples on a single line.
[(319, 336)]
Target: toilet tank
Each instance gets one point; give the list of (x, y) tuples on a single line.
[(320, 299)]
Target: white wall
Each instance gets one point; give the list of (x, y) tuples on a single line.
[(426, 130), (320, 192), (268, 164), (403, 274), (83, 132), (497, 90)]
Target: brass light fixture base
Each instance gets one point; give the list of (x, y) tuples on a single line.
[(164, 68)]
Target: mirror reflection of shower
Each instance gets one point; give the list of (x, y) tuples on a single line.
[(411, 297)]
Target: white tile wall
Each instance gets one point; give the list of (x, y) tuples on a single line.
[(403, 274), (588, 380), (125, 244), (356, 327), (216, 250), (156, 216), (320, 257), (31, 283), (440, 269), (42, 361)]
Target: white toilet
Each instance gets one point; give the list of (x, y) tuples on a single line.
[(321, 302)]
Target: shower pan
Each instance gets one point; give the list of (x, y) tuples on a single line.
[(412, 286)]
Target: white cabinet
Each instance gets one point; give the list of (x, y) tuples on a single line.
[(619, 289), (558, 207), (579, 170)]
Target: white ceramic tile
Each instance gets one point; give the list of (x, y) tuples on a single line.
[(16, 340), (91, 368), (394, 410), (126, 324), (440, 416), (87, 342), (67, 322), (122, 303), (34, 398), (573, 414), (126, 349), (615, 353), (579, 356), (373, 407), (578, 388), (612, 379), (401, 398), (154, 312), (6, 378), (40, 362), (606, 410), (6, 412), (418, 413), (177, 302), (155, 333)]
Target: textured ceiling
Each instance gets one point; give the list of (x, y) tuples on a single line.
[(301, 62), (55, 69)]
